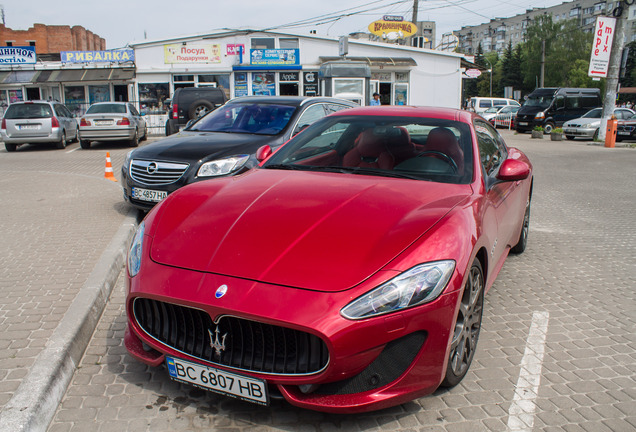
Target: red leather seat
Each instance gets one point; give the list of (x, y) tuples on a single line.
[(444, 141), (369, 151), (401, 146)]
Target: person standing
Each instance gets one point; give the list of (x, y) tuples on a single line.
[(376, 100)]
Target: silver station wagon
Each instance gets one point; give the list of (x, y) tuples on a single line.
[(38, 122)]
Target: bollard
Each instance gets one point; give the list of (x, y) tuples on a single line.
[(610, 135)]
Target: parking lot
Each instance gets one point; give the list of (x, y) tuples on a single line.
[(557, 349)]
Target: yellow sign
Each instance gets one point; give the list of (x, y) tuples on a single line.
[(192, 53), (392, 29)]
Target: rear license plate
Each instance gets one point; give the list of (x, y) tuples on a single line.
[(103, 122), (148, 195), (523, 123), (29, 127), (238, 386)]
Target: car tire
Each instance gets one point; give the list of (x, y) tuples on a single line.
[(11, 147), (548, 127), (525, 229), (570, 137), (595, 136), (134, 142), (145, 137), (199, 109), (619, 139), (467, 327), (85, 144), (170, 128), (61, 144)]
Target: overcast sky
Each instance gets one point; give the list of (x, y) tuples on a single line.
[(123, 21)]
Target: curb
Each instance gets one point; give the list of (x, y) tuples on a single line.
[(33, 405)]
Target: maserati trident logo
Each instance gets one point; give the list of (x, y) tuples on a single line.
[(219, 346)]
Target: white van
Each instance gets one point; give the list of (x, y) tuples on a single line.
[(481, 104)]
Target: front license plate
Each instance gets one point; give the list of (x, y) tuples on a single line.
[(238, 386), (148, 195), (523, 123), (623, 133)]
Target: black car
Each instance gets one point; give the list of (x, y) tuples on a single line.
[(221, 143), (190, 103)]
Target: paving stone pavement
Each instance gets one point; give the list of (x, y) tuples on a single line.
[(578, 275)]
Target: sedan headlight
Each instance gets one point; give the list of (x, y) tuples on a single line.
[(135, 252), (127, 159), (419, 285), (221, 167)]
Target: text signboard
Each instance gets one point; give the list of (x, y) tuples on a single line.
[(601, 46), (275, 57), (17, 55), (192, 53), (112, 56)]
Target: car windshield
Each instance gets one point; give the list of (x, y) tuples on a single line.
[(389, 146), (252, 118), (107, 109), (492, 110), (595, 113), (28, 111), (538, 101)]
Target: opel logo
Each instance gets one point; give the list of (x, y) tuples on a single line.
[(152, 168)]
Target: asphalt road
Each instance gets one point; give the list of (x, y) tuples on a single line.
[(557, 349)]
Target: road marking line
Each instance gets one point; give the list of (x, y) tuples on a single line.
[(521, 412), (71, 151)]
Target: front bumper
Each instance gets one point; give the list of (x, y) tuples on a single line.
[(373, 363), (579, 132)]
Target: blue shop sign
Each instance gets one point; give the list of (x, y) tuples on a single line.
[(111, 56), (17, 55), (275, 57)]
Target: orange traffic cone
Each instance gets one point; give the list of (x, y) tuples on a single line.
[(109, 169)]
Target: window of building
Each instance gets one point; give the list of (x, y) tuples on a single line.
[(9, 43), (180, 81), (98, 93), (288, 43), (264, 83), (32, 43), (152, 97), (75, 99), (263, 43), (574, 12), (221, 81)]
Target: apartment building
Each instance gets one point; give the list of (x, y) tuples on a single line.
[(495, 35)]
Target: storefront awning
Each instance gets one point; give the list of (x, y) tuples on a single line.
[(68, 75), (96, 75), (17, 77), (122, 74), (376, 61), (65, 75), (266, 68)]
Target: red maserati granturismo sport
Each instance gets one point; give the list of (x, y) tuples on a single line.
[(345, 273)]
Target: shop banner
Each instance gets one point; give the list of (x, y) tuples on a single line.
[(17, 55), (392, 30), (275, 57), (192, 53), (601, 46), (234, 49), (111, 56)]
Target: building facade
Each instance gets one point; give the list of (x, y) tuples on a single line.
[(52, 39), (497, 33)]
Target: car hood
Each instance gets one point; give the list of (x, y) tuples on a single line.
[(189, 146), (319, 231)]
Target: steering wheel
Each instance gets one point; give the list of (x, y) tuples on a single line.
[(442, 156)]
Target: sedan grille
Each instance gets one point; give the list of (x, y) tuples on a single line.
[(156, 173), (234, 342)]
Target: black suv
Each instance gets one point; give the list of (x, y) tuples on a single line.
[(222, 143), (190, 103)]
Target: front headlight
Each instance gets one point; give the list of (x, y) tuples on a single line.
[(540, 115), (419, 285), (127, 159), (135, 252), (221, 167)]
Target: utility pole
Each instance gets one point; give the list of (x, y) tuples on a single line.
[(415, 6), (542, 64), (611, 89)]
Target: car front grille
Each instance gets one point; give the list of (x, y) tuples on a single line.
[(625, 128), (156, 173), (240, 344)]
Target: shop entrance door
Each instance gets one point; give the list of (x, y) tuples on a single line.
[(33, 93), (121, 93), (385, 93), (288, 89)]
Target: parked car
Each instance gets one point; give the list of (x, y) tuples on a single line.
[(38, 122), (552, 107), (626, 129), (505, 118), (481, 104), (221, 143), (588, 126), (190, 103), (346, 273), (492, 111), (112, 121)]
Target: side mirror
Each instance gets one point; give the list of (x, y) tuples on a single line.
[(513, 170), (263, 153)]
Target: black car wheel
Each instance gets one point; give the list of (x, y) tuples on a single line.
[(11, 147), (62, 142), (199, 109), (145, 137), (134, 142), (85, 144), (467, 327), (525, 229)]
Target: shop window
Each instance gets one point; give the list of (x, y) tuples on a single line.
[(288, 83), (152, 97), (263, 43), (288, 43), (98, 93), (401, 94), (263, 83), (221, 81), (75, 99), (183, 81)]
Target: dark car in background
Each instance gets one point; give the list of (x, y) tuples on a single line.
[(38, 122), (223, 142), (112, 121), (626, 129), (190, 103)]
